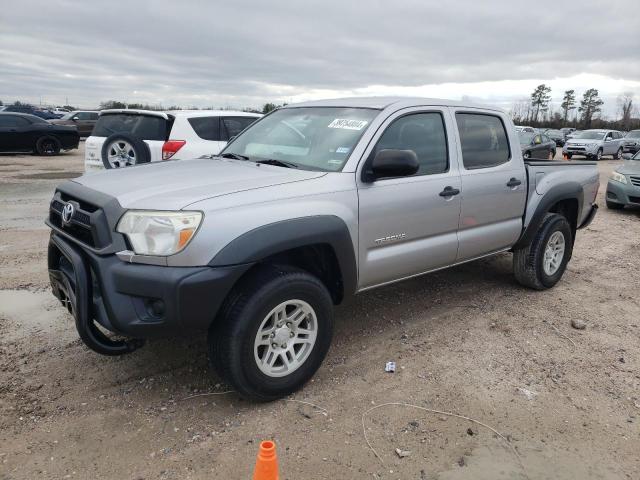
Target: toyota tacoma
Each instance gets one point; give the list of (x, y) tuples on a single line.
[(312, 203)]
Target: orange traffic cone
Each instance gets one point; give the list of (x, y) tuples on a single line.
[(267, 462)]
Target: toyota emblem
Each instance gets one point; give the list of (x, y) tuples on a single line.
[(67, 213)]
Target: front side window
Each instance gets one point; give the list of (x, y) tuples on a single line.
[(483, 139), (311, 138), (424, 133)]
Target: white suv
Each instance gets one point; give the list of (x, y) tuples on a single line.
[(122, 138)]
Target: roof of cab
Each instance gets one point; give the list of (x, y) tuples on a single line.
[(381, 103)]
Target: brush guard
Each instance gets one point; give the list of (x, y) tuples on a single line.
[(72, 283)]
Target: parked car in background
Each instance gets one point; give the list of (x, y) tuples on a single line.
[(567, 130), (521, 128), (85, 120), (555, 135), (311, 204), (537, 145), (623, 187), (631, 143), (594, 144), (31, 110), (571, 135), (122, 138), (21, 132)]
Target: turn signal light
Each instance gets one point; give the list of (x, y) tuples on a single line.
[(170, 148)]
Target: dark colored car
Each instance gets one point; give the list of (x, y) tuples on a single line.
[(85, 120), (557, 136), (20, 132), (537, 145), (631, 143), (44, 114)]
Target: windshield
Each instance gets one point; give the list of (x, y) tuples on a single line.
[(526, 138), (633, 134), (67, 116), (313, 138), (590, 135)]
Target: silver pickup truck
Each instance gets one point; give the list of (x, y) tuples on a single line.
[(310, 204)]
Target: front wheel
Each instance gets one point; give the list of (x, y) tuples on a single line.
[(541, 264), (273, 333), (599, 154), (618, 155)]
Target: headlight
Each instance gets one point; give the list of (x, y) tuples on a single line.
[(618, 177), (159, 233)]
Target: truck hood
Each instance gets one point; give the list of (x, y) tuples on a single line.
[(172, 185), (629, 167)]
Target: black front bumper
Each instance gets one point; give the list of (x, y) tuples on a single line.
[(136, 300)]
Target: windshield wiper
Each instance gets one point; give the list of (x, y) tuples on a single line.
[(235, 156), (277, 163)]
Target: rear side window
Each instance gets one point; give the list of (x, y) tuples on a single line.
[(234, 125), (424, 134), (483, 139), (146, 127), (13, 121), (207, 128)]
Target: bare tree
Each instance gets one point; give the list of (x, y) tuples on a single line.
[(625, 104)]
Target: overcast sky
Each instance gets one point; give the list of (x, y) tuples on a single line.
[(244, 53)]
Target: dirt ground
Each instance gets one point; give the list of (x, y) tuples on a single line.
[(468, 341)]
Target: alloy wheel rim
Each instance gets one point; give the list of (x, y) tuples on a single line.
[(554, 253), (285, 338), (121, 154)]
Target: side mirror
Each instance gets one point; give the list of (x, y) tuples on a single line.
[(75, 119), (391, 163), (627, 156)]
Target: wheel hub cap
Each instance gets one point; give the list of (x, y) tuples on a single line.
[(285, 338), (554, 253)]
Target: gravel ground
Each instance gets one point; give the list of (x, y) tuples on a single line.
[(468, 341)]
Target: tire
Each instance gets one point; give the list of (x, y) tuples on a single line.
[(529, 262), (123, 150), (599, 154), (526, 155), (614, 205), (233, 348), (47, 146), (618, 155)]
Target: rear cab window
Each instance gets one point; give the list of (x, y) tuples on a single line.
[(146, 127), (483, 139)]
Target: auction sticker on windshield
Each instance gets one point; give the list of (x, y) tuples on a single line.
[(347, 124)]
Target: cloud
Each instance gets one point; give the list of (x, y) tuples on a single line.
[(248, 52)]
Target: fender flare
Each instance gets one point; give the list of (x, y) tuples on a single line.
[(565, 191), (273, 238)]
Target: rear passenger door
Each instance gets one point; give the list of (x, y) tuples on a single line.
[(493, 184), (408, 225)]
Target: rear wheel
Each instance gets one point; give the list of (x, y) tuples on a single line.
[(273, 333), (47, 146), (541, 264)]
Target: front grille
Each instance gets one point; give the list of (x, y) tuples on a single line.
[(576, 149), (87, 225), (635, 180)]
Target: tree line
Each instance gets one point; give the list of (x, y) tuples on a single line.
[(537, 110)]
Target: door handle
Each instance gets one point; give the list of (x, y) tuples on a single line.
[(514, 182), (449, 191)]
